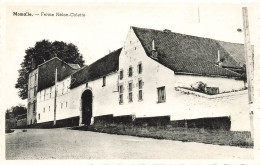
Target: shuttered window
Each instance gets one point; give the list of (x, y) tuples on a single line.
[(130, 92), (161, 94), (121, 94), (140, 90)]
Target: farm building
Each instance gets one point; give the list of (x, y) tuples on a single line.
[(157, 76)]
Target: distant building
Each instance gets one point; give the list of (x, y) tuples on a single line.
[(150, 76)]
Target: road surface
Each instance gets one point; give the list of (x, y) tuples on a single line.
[(62, 143)]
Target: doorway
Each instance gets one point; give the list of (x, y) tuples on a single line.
[(86, 107)]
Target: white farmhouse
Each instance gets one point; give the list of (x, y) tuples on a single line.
[(149, 78)]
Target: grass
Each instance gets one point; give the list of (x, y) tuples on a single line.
[(217, 137)]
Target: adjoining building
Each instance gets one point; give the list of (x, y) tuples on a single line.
[(151, 76)]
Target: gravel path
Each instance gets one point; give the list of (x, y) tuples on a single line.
[(63, 143)]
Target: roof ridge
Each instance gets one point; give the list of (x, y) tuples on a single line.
[(205, 48), (187, 35), (57, 59), (97, 60)]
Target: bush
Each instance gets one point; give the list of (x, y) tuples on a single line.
[(199, 86)]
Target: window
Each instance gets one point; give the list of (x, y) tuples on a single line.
[(140, 92), (130, 94), (121, 74), (66, 104), (130, 71), (140, 68), (61, 105), (121, 94), (104, 81), (34, 91), (39, 116), (49, 108), (43, 110), (140, 95), (34, 107), (161, 94)]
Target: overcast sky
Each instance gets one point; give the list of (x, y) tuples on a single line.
[(105, 27)]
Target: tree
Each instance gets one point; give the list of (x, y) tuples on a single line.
[(14, 111), (41, 52)]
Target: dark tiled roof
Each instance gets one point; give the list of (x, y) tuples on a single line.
[(101, 67), (236, 50), (46, 75), (186, 54)]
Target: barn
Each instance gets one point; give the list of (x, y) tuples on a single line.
[(158, 76)]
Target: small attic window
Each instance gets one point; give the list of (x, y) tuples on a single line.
[(139, 68), (104, 81)]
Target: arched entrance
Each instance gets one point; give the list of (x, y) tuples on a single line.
[(86, 107)]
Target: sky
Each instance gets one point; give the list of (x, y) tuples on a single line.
[(104, 28)]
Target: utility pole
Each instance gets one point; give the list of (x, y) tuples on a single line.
[(249, 57), (249, 65), (198, 14), (55, 97)]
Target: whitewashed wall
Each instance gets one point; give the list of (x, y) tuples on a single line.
[(64, 103), (154, 75), (32, 82), (69, 101), (224, 84), (178, 105)]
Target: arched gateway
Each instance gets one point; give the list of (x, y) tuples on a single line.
[(86, 107)]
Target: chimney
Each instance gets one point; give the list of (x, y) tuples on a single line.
[(167, 31), (154, 51), (219, 62)]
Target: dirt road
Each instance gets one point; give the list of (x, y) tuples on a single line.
[(63, 143)]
